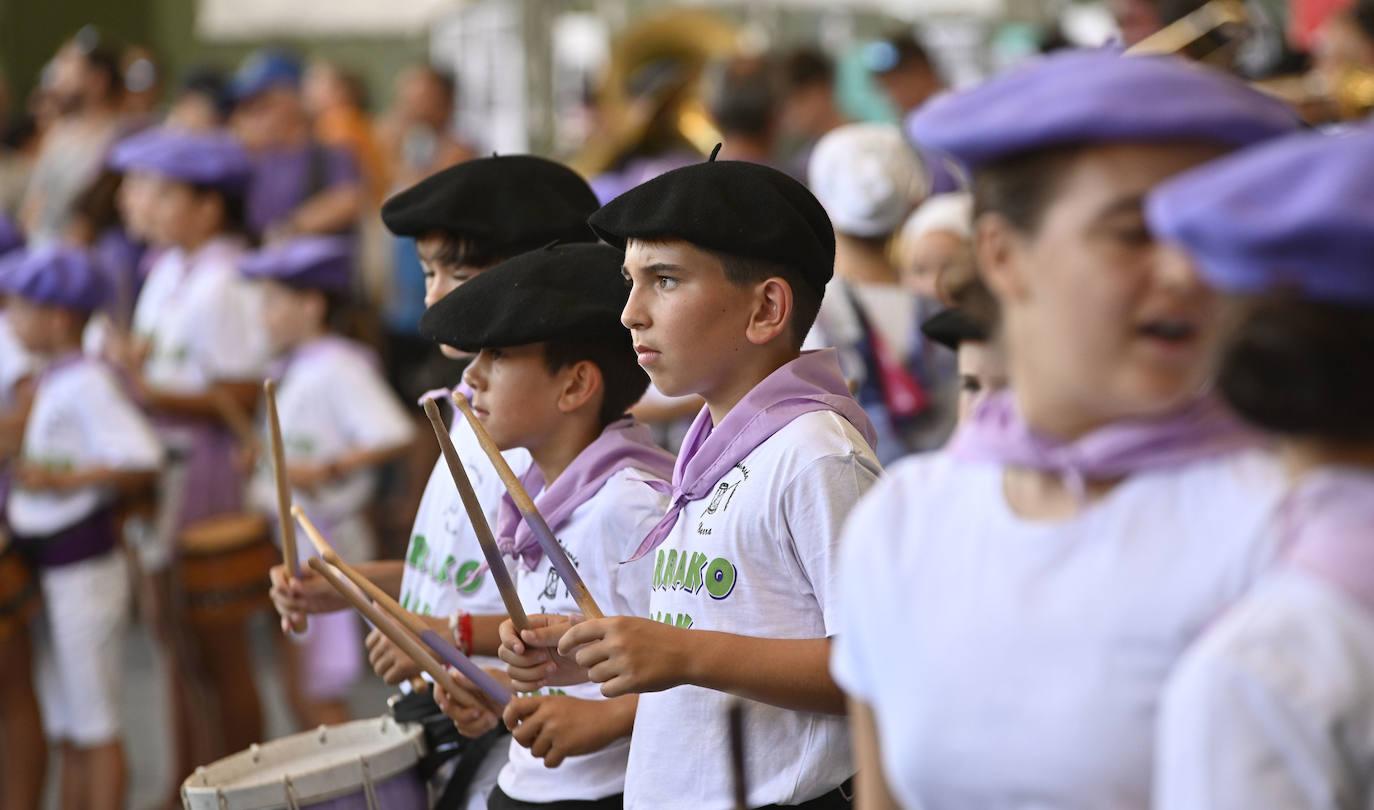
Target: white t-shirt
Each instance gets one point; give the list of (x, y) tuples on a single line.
[(757, 558), (81, 419), (202, 319), (333, 401), (1274, 708), (15, 362), (599, 535), (1015, 664), (444, 554)]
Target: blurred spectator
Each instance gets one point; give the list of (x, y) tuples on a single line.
[(809, 107), (743, 96), (142, 85), (87, 91), (18, 149), (1345, 43), (935, 242), (1138, 19), (906, 73), (299, 185), (336, 102), (203, 102), (416, 135)]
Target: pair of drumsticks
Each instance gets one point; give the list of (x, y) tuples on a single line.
[(400, 626)]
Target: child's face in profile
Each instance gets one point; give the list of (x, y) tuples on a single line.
[(441, 278), (982, 370), (288, 315), (514, 394), (685, 317), (38, 327), (932, 255)]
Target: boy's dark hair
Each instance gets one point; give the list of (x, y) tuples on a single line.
[(806, 300), (1021, 187), (465, 251), (743, 96), (235, 207), (623, 380), (808, 66), (1301, 368)]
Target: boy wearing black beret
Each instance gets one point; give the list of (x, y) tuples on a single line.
[(727, 263), (555, 374)]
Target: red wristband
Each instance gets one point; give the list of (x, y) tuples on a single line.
[(465, 632)]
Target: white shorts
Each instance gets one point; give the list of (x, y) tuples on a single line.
[(80, 649)]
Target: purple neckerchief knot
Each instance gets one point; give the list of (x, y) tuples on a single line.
[(996, 432), (1328, 524), (442, 394), (623, 444), (812, 382)]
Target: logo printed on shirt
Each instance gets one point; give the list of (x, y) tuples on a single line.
[(721, 498), (691, 571)]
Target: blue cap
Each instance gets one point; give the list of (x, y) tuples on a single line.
[(310, 262), (1295, 214), (11, 237), (263, 70), (55, 275), (213, 159), (1090, 96)]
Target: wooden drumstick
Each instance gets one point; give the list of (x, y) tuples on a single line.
[(495, 563), (525, 504), (441, 646), (284, 522), (322, 546), (393, 631)]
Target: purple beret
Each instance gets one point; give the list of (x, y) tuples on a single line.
[(11, 237), (1089, 96), (310, 262), (1295, 214), (55, 275), (200, 158)]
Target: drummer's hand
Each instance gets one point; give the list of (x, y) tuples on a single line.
[(472, 714), (296, 597), (390, 663), (555, 727), (309, 477), (532, 658)]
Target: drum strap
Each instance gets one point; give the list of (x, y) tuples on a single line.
[(443, 743)]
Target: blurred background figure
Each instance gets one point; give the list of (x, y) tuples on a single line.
[(202, 103), (744, 97), (336, 101), (905, 71), (87, 92), (142, 85), (416, 133), (809, 107), (1345, 43), (300, 186)]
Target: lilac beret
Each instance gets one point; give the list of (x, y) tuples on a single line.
[(1089, 96), (55, 275), (206, 159), (1294, 214), (311, 262)]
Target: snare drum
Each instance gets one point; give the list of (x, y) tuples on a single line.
[(362, 765), (223, 567), (18, 590)]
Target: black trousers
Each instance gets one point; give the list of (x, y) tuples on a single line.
[(500, 801), (838, 799)]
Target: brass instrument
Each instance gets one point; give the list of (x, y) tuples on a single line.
[(649, 96), (1208, 34)]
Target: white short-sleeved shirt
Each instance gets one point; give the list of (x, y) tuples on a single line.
[(201, 318), (81, 419), (599, 535), (756, 558), (332, 401), (15, 362), (444, 555), (1274, 707), (1015, 664)]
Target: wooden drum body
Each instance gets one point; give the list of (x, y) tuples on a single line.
[(18, 591), (223, 567)]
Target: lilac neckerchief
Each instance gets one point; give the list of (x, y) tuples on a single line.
[(996, 432), (812, 382), (319, 346), (625, 443), (1329, 522), (442, 394)]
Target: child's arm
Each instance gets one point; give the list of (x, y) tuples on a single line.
[(295, 598), (555, 727), (311, 476), (123, 482), (871, 789), (628, 655), (207, 405)]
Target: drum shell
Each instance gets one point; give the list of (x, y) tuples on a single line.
[(18, 592), (223, 568)]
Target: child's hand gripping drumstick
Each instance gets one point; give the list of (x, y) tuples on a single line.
[(479, 519), (441, 646), (525, 504), (284, 522)]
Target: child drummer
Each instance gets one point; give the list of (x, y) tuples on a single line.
[(728, 262), (85, 444), (555, 375), (340, 422)]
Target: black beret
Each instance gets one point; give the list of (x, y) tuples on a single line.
[(560, 292), (514, 203), (733, 207), (950, 327)]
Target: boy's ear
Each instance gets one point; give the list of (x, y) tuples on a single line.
[(772, 313), (996, 245), (582, 383)]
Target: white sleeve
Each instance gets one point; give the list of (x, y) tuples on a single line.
[(815, 505), (1234, 737), (864, 604), (116, 431), (368, 411)]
